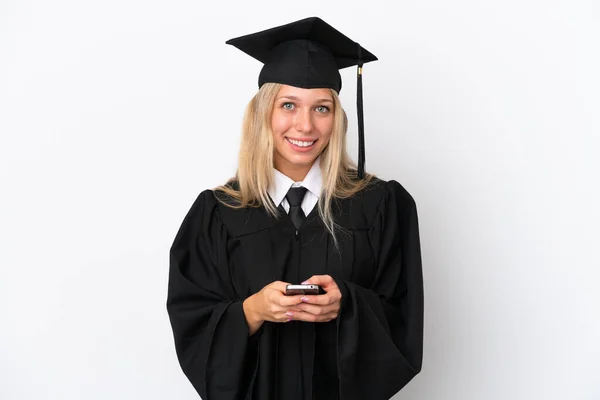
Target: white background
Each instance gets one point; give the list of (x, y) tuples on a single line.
[(114, 115)]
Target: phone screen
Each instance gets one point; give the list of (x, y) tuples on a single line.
[(292, 290)]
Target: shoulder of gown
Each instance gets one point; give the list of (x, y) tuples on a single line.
[(360, 212), (363, 210)]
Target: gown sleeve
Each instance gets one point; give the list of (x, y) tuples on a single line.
[(208, 321), (380, 328)]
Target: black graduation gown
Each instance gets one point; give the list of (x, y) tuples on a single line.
[(222, 255)]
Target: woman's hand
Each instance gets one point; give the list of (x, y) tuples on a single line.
[(270, 304), (319, 308)]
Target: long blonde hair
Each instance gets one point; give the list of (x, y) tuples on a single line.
[(255, 165)]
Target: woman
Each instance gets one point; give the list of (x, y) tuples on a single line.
[(298, 211)]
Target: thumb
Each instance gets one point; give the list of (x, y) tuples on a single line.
[(280, 286), (321, 280)]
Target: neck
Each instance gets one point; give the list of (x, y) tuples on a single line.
[(295, 172)]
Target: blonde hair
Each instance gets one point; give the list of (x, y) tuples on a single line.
[(255, 165)]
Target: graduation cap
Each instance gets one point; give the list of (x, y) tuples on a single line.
[(308, 54)]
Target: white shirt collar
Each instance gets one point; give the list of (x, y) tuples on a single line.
[(282, 183)]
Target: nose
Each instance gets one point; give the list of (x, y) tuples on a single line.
[(304, 121)]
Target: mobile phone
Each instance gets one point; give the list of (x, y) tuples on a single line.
[(291, 290)]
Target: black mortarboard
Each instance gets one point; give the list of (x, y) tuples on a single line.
[(308, 54)]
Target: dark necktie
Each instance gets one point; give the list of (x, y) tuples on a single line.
[(294, 196)]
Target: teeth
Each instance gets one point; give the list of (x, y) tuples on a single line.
[(299, 143)]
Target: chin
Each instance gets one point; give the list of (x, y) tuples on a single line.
[(298, 159), (304, 159)]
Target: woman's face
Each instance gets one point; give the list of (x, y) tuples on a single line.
[(302, 121)]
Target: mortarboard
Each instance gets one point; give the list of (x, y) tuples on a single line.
[(309, 54)]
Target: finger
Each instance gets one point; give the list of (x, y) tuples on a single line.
[(318, 310), (308, 317), (323, 299), (328, 317), (283, 317), (288, 301), (302, 316)]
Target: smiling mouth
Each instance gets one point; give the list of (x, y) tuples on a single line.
[(301, 143)]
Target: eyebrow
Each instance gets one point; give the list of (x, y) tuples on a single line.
[(298, 99)]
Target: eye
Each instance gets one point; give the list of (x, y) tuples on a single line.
[(322, 109), (288, 106)]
